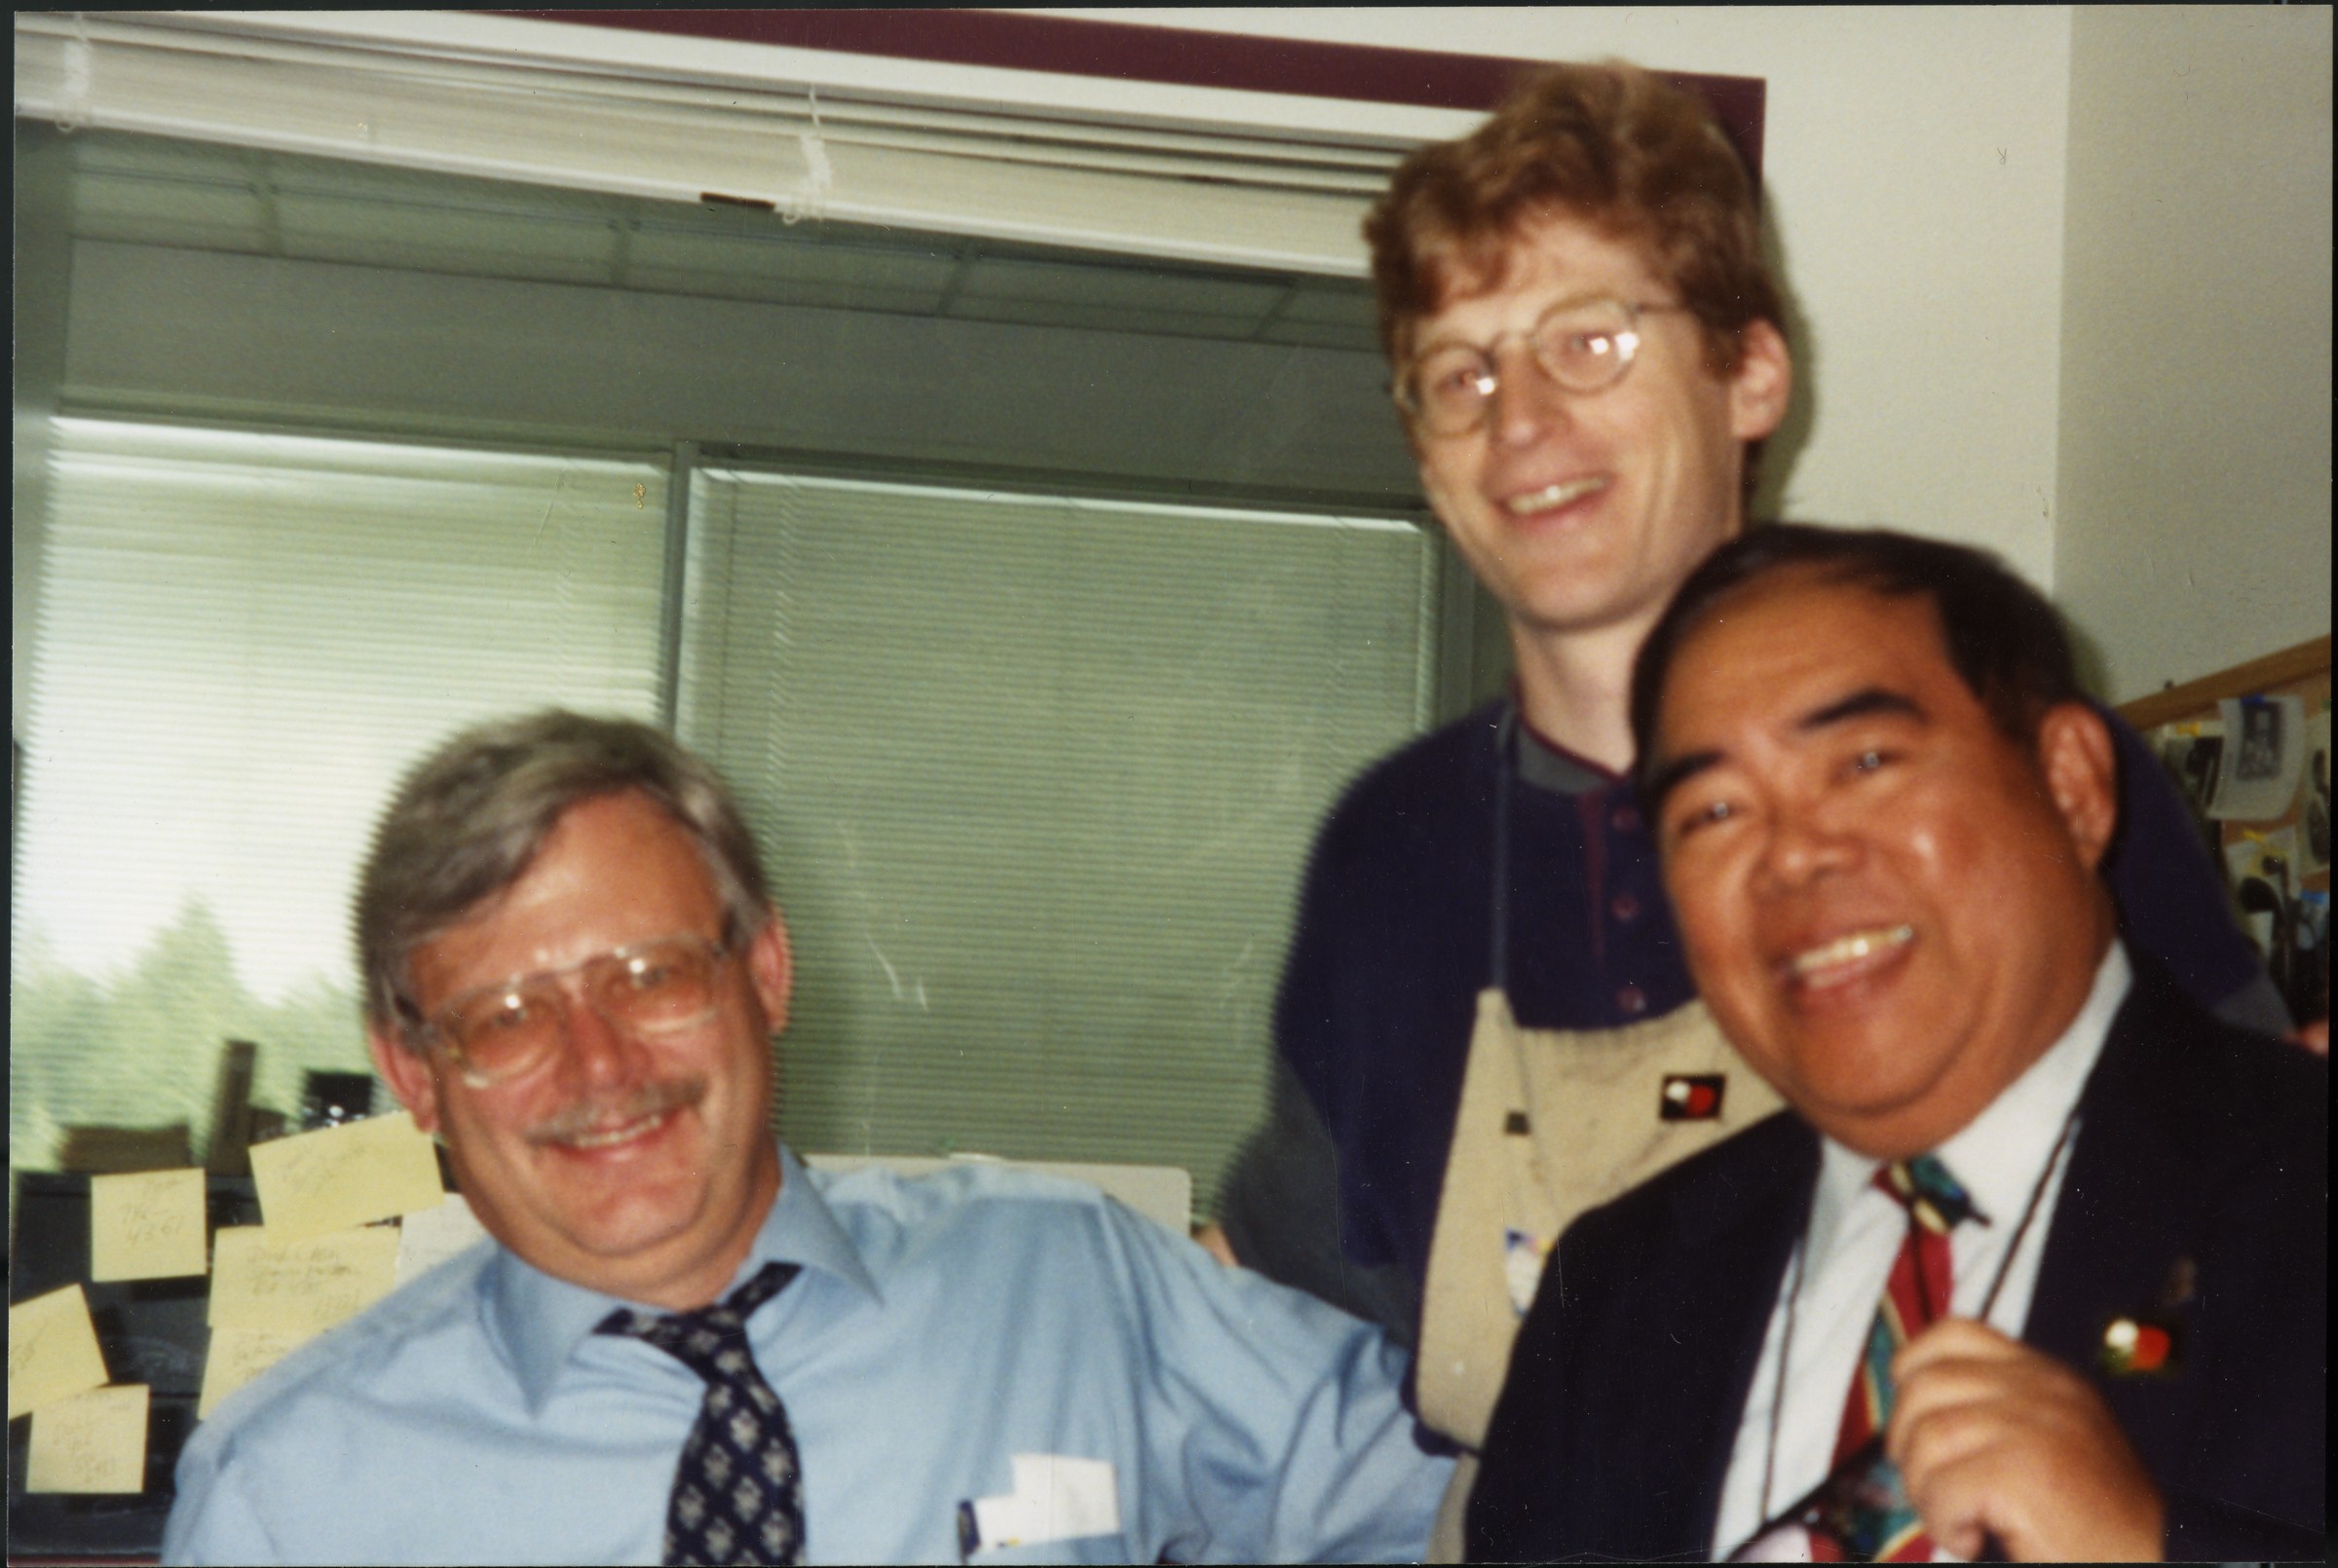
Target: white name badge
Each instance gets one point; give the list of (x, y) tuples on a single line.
[(1056, 1498)]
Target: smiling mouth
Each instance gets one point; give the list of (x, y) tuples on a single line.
[(1565, 493), (1848, 956), (616, 1135), (587, 1126)]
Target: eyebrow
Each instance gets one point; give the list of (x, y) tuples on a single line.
[(1674, 774), (1860, 704), (1872, 699)]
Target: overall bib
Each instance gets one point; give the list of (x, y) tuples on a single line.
[(1552, 1122)]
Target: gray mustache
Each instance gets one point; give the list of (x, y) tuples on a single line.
[(588, 1116)]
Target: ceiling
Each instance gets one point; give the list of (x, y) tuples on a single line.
[(147, 190)]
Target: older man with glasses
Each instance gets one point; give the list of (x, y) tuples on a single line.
[(683, 1346)]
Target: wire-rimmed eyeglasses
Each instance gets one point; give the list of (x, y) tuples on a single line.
[(1584, 344), (501, 1031)]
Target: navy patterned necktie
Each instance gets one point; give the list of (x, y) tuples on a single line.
[(739, 1489)]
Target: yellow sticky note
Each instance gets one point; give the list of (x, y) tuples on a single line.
[(90, 1442), (147, 1225), (306, 1286), (239, 1355), (329, 1181), (52, 1351)]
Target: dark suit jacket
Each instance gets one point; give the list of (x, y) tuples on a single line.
[(2202, 1156)]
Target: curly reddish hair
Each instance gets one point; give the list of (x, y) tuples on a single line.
[(1640, 160)]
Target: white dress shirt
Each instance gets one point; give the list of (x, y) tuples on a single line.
[(1828, 1294)]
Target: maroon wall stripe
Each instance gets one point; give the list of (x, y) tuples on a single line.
[(1139, 53)]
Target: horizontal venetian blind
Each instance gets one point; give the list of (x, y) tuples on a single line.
[(243, 640), (1038, 777), (512, 101)]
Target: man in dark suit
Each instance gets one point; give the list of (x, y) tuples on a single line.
[(2035, 1265)]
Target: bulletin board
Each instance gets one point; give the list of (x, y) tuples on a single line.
[(2250, 748)]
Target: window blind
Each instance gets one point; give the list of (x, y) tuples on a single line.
[(519, 101), (1036, 777), (241, 638)]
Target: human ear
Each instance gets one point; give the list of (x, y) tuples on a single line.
[(771, 967), (2080, 766), (408, 1074), (1762, 383)]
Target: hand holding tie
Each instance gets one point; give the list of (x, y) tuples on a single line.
[(1997, 1439)]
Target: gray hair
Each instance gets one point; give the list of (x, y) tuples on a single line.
[(467, 821)]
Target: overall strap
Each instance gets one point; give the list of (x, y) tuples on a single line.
[(1505, 766)]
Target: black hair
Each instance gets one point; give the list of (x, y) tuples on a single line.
[(2001, 636)]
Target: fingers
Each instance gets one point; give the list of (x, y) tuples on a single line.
[(1947, 1427), (1995, 1439), (1955, 1340)]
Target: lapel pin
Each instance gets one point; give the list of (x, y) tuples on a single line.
[(1691, 1096), (2133, 1346)]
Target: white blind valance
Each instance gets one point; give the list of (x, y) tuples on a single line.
[(534, 108)]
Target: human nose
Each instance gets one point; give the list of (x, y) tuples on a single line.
[(1801, 846), (1526, 402), (595, 1050)]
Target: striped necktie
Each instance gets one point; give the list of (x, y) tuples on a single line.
[(1876, 1521), (738, 1488)]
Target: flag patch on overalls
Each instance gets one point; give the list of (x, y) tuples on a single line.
[(1691, 1096)]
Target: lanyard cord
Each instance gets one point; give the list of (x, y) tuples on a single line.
[(1989, 1304)]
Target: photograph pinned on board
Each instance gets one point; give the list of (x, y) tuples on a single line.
[(2279, 916), (2265, 757)]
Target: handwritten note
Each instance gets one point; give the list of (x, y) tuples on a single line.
[(147, 1225), (240, 1355), (90, 1442), (310, 1286), (52, 1350), (431, 1236), (316, 1182)]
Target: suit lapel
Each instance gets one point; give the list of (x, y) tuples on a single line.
[(2134, 1191), (1738, 1230)]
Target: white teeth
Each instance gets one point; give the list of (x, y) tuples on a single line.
[(1846, 950), (1558, 494), (614, 1137)]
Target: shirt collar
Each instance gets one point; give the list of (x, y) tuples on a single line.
[(1998, 1156), (539, 1321), (1548, 766)]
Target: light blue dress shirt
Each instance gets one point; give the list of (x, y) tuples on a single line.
[(940, 1328)]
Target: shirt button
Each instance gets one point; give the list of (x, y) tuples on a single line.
[(1624, 907), (1632, 1000), (1625, 820)]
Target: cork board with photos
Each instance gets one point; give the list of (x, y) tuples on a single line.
[(2250, 748)]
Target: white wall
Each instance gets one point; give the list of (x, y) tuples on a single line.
[(2196, 390), (1913, 162)]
